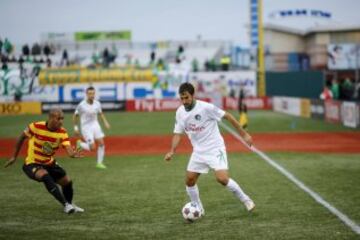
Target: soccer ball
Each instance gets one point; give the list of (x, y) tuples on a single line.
[(191, 211)]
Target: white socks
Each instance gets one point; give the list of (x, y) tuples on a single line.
[(194, 195), (85, 146), (100, 153), (238, 192)]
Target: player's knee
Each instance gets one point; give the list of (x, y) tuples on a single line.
[(40, 173), (92, 147), (222, 180), (190, 182)]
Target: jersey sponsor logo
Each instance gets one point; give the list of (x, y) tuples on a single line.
[(194, 128), (198, 117)]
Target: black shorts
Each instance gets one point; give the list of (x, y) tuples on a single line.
[(54, 170)]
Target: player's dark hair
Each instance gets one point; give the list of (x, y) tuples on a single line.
[(90, 88), (186, 87)]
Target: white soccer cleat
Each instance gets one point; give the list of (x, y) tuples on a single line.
[(78, 209), (68, 208), (249, 204)]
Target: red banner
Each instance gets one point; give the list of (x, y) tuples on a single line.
[(251, 103)]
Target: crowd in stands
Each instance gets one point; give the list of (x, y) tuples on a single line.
[(50, 56), (346, 89)]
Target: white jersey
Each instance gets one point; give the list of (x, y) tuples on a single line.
[(201, 126), (88, 112)]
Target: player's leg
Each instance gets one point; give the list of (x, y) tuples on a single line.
[(99, 139), (68, 191), (218, 161), (192, 189), (196, 166), (88, 135), (222, 177), (38, 173), (100, 152)]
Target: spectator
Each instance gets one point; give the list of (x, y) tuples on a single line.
[(46, 50), (65, 58), (225, 63), (36, 49), (1, 45), (8, 47), (26, 50), (347, 89), (335, 90), (152, 57), (326, 93), (195, 65)]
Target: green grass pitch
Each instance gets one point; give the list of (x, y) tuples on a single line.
[(140, 197)]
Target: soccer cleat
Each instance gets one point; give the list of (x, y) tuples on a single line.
[(100, 166), (249, 204), (78, 145), (78, 209), (68, 208)]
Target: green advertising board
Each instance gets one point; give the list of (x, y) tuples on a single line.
[(98, 36)]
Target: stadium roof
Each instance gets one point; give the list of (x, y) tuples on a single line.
[(315, 29)]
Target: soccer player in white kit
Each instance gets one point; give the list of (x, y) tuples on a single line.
[(88, 110), (198, 119)]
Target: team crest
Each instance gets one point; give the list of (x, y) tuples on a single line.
[(47, 148), (198, 117)]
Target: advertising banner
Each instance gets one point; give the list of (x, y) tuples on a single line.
[(17, 108), (317, 109), (151, 105), (349, 114), (251, 103), (71, 106), (100, 36), (305, 108), (103, 92), (84, 75), (332, 111), (287, 105), (343, 56)]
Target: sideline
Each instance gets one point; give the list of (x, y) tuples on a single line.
[(345, 219)]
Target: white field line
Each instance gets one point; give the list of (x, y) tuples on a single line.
[(345, 219)]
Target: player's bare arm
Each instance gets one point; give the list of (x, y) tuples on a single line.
[(76, 127), (73, 153), (175, 142), (106, 123), (244, 134), (18, 146)]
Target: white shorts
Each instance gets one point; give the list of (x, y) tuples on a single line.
[(202, 162), (92, 132)]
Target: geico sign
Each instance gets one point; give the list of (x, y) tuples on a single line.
[(10, 108)]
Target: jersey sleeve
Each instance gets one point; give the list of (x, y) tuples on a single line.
[(215, 112), (77, 109), (29, 130), (100, 109), (178, 128), (65, 141)]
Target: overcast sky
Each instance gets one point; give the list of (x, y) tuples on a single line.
[(152, 20)]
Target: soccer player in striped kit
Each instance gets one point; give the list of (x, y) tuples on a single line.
[(45, 138)]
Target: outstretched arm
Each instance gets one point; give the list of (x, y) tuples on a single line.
[(106, 123), (247, 138), (175, 142), (18, 146), (75, 121)]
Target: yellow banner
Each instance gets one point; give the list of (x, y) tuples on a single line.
[(65, 76), (305, 108), (16, 108)]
